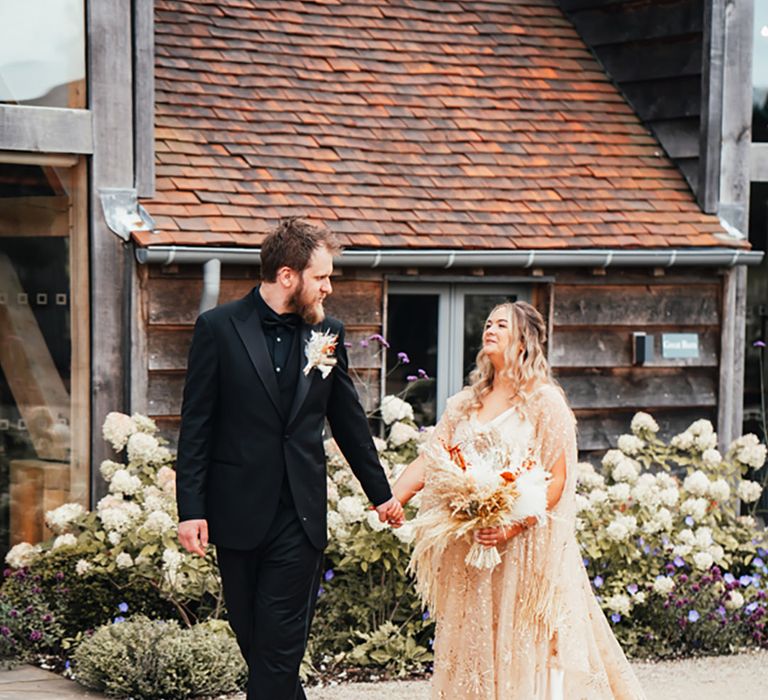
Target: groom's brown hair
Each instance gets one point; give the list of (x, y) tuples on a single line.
[(291, 244)]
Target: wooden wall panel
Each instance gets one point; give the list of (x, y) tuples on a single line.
[(638, 305), (597, 430), (654, 51), (172, 298), (643, 388), (612, 347), (593, 319)]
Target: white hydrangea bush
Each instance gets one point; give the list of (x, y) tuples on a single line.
[(365, 586), (656, 507), (134, 528)]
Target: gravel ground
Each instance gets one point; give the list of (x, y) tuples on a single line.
[(711, 678)]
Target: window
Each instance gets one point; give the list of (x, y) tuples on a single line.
[(42, 53), (438, 325), (44, 370)]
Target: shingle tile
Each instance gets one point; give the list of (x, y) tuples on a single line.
[(403, 124)]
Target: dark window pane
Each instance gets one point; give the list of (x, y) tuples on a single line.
[(476, 310), (412, 328)]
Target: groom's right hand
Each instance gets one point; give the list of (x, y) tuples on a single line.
[(193, 535)]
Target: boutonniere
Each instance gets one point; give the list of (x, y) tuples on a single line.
[(321, 352)]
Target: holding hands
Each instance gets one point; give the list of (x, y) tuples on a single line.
[(391, 512)]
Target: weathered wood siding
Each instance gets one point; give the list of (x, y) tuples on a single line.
[(592, 318), (171, 297), (653, 51)]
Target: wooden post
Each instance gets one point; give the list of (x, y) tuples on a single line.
[(734, 207), (711, 105), (110, 64)]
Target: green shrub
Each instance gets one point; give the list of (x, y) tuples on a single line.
[(81, 603), (27, 629), (150, 659)]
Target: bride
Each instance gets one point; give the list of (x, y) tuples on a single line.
[(530, 629)]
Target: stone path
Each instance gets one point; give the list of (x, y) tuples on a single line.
[(738, 677)]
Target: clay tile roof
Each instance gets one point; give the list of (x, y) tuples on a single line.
[(403, 123)]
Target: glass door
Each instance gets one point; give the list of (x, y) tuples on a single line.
[(439, 327)]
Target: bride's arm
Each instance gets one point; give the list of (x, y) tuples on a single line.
[(411, 481)]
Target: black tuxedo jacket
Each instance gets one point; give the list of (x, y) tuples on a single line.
[(235, 444)]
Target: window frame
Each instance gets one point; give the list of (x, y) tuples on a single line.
[(451, 295)]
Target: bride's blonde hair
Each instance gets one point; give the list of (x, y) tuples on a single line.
[(525, 367)]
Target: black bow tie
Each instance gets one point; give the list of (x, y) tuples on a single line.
[(288, 321)]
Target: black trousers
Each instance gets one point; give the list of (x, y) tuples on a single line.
[(270, 594)]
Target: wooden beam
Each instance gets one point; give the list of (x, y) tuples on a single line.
[(60, 160), (34, 216), (708, 190), (144, 96), (734, 207), (731, 390), (80, 320), (45, 129), (110, 61), (32, 376), (736, 114)]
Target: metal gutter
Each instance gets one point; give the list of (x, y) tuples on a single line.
[(447, 259)]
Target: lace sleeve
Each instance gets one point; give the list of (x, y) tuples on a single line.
[(444, 430), (555, 427)]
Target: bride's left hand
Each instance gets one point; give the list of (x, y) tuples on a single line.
[(492, 536)]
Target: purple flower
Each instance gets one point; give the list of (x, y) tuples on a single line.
[(320, 591), (758, 562), (122, 607), (597, 581), (67, 664), (5, 631), (678, 562), (425, 615), (423, 374), (411, 378), (670, 568), (35, 636), (632, 588), (363, 343), (14, 614), (721, 611), (379, 339), (118, 620), (328, 575), (758, 344), (403, 357), (729, 577), (744, 581), (347, 344), (615, 617), (683, 578), (689, 521), (47, 618), (59, 575), (585, 561), (761, 552), (693, 616), (751, 607)]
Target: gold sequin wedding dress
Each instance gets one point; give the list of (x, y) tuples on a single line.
[(530, 629)]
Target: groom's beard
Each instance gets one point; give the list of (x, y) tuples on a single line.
[(311, 311)]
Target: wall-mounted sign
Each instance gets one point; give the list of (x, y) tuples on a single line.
[(680, 345)]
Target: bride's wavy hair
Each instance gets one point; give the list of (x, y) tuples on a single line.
[(525, 369)]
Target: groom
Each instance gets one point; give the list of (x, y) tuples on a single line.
[(251, 472)]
